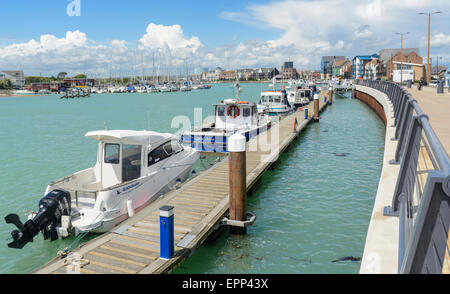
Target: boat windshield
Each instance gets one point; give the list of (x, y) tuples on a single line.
[(270, 99)]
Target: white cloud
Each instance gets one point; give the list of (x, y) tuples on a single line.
[(363, 32), (440, 40), (168, 37)]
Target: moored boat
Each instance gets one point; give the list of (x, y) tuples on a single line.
[(133, 168)]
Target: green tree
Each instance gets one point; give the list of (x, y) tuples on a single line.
[(61, 75), (80, 76), (6, 84)]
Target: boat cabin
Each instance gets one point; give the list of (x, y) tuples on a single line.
[(232, 114), (125, 155)]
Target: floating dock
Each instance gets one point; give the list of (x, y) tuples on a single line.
[(200, 204)]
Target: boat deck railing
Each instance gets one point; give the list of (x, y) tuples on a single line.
[(422, 193)]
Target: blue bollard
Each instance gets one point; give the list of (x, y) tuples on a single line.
[(166, 232), (306, 113)]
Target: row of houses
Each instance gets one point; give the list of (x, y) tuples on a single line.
[(389, 64), (242, 74)]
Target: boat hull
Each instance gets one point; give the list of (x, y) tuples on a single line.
[(215, 141)]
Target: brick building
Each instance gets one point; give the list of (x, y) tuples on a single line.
[(391, 60), (288, 72)]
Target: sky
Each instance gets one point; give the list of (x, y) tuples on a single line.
[(116, 37)]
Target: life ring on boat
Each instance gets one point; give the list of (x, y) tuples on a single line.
[(233, 111)]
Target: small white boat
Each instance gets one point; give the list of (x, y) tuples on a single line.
[(299, 96), (133, 169), (164, 89), (231, 116), (275, 102), (44, 92), (23, 92)]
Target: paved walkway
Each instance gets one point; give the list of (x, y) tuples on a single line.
[(437, 107)]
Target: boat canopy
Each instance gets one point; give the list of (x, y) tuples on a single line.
[(130, 137)]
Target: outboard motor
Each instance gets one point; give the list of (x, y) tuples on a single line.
[(51, 208)]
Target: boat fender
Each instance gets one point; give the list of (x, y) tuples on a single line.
[(130, 208)]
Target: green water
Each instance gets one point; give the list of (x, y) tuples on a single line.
[(303, 214), (314, 208)]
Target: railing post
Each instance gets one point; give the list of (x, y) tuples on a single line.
[(408, 167), (404, 127)]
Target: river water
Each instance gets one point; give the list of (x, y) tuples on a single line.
[(314, 208)]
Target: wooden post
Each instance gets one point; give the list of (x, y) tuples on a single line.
[(330, 93), (237, 181), (316, 108)]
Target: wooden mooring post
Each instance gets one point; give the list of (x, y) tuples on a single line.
[(316, 108), (237, 181), (330, 93)]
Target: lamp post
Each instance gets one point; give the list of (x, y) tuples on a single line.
[(401, 58), (429, 38)]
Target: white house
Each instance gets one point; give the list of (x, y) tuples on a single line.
[(16, 77)]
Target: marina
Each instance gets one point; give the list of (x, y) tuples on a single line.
[(201, 207)]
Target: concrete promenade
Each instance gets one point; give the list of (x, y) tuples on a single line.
[(437, 107), (381, 248)]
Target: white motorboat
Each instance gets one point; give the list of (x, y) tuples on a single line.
[(23, 92), (164, 89), (299, 96), (275, 102), (133, 168), (231, 116)]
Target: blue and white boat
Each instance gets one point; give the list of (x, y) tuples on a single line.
[(230, 116), (275, 102)]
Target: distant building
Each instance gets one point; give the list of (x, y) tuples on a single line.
[(372, 71), (338, 67), (228, 75), (326, 65), (316, 75), (16, 77), (359, 65), (288, 72), (213, 75), (266, 73), (391, 59), (245, 74)]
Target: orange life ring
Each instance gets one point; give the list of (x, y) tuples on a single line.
[(233, 111)]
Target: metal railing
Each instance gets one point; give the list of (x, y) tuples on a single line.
[(424, 214)]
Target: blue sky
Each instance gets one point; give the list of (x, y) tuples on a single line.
[(105, 20), (112, 35)]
